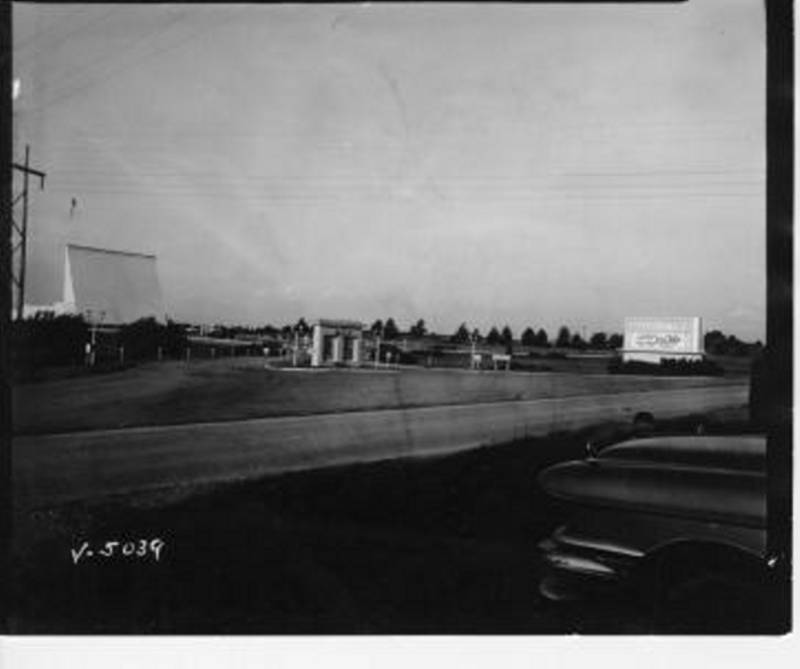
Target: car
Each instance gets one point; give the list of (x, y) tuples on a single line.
[(676, 523)]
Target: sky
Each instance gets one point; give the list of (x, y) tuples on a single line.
[(530, 165)]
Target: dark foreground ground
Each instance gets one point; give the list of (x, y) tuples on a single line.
[(438, 546)]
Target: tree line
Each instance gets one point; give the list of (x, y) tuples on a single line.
[(532, 337), (716, 342), (389, 330), (57, 338)]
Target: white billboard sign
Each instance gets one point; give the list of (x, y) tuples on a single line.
[(663, 337)]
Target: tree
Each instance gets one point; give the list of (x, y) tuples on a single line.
[(541, 338), (48, 340), (493, 338), (476, 335), (508, 339), (577, 342), (528, 337), (302, 327), (390, 330), (461, 335), (377, 327), (715, 342), (174, 339), (599, 340), (419, 329), (563, 337), (615, 341), (736, 346), (144, 337)]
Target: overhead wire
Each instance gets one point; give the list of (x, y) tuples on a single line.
[(485, 186), (59, 25), (74, 85)]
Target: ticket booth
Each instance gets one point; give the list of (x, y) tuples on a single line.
[(336, 342)]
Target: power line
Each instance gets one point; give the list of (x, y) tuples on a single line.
[(130, 63), (59, 24), (69, 87), (443, 177), (365, 195), (307, 184)]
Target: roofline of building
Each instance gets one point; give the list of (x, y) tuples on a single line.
[(662, 318), (653, 351), (339, 323)]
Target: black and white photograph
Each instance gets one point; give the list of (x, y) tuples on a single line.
[(394, 318)]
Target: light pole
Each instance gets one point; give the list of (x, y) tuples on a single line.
[(473, 338), (94, 322), (378, 346)]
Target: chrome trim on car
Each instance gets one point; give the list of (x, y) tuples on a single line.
[(563, 536), (580, 565)]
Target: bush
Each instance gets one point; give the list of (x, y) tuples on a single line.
[(667, 367), (48, 341), (143, 338), (174, 339), (519, 366), (399, 356)]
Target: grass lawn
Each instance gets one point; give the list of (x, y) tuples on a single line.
[(233, 389)]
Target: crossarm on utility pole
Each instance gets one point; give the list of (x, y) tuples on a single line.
[(30, 170)]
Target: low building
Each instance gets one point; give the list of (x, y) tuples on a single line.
[(653, 339), (337, 342), (44, 310)]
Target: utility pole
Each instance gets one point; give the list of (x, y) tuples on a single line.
[(22, 229), (474, 341), (6, 193)]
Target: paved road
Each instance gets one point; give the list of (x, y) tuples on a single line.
[(51, 469)]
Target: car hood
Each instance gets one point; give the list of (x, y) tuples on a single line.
[(743, 453)]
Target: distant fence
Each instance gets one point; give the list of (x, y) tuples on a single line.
[(216, 347)]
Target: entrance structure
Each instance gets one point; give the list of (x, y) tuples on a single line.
[(336, 341), (650, 339)]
